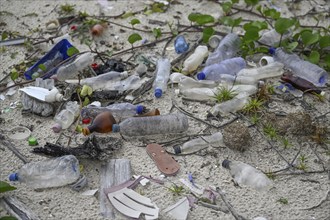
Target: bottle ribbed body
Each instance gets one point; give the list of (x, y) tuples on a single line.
[(302, 68), (162, 124), (228, 48), (229, 66), (49, 173), (230, 79), (195, 60), (163, 71), (67, 116), (198, 94), (188, 83), (232, 105), (271, 70)]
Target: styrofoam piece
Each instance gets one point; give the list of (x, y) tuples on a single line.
[(179, 210), (143, 182)]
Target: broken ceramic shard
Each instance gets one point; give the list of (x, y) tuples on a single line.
[(179, 210)]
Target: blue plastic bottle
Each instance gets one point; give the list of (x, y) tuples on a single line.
[(180, 45)]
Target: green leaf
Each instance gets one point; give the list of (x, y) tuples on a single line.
[(251, 2), (207, 33), (135, 21), (8, 218), (272, 13), (157, 32), (314, 57), (262, 49), (133, 38), (158, 7), (42, 67), (234, 1), (291, 46), (200, 18), (4, 35), (228, 21), (309, 38), (5, 187), (14, 74), (127, 14), (86, 90), (72, 51), (283, 24), (324, 41), (260, 25), (251, 35), (226, 7), (327, 60), (85, 102)]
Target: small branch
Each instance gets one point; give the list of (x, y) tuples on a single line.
[(13, 149), (325, 198)]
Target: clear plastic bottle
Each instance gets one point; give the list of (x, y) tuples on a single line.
[(66, 117), (271, 70), (230, 79), (198, 94), (71, 70), (120, 111), (232, 105), (197, 144), (228, 66), (195, 60), (272, 38), (53, 172), (163, 71), (228, 48), (301, 68), (180, 45), (101, 81), (189, 82), (177, 77), (247, 175), (130, 83), (162, 124)]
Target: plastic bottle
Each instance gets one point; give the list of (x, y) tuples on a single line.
[(180, 45), (301, 84), (189, 82), (162, 124), (228, 48), (43, 94), (130, 83), (101, 81), (120, 111), (230, 79), (162, 76), (195, 60), (301, 68), (228, 66), (66, 117), (53, 172), (197, 144), (71, 70), (198, 94), (177, 77), (247, 175), (272, 38), (102, 123), (232, 105), (271, 70)]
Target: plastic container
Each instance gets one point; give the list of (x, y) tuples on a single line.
[(163, 71), (162, 124), (195, 60), (188, 83), (245, 80), (53, 172), (177, 77), (180, 45), (43, 94), (229, 106), (301, 68), (197, 144), (247, 175), (228, 66), (56, 55), (130, 83), (101, 81), (102, 123), (66, 117), (228, 48), (71, 69), (120, 111), (198, 94), (271, 70)]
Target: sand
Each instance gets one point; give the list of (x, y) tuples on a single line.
[(301, 191)]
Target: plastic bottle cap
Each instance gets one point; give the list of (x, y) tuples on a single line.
[(139, 109), (225, 163), (13, 177), (322, 80), (201, 76), (115, 128), (57, 128), (272, 50), (177, 149), (158, 93), (33, 141)]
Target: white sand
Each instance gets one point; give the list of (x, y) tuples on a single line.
[(301, 191)]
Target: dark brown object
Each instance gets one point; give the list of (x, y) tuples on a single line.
[(165, 163), (300, 83), (153, 112), (102, 124)]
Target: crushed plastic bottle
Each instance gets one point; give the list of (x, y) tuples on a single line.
[(301, 68), (180, 44), (199, 94), (120, 111), (102, 81), (195, 60), (71, 70), (130, 83), (66, 117), (247, 175), (229, 66), (271, 70), (189, 82), (200, 143), (102, 123), (232, 105), (162, 124), (228, 48), (163, 71), (53, 172)]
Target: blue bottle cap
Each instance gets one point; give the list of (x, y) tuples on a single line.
[(225, 163), (158, 93), (139, 109), (115, 128), (13, 177), (201, 76), (177, 149), (272, 50), (322, 80)]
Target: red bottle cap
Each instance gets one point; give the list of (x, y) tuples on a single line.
[(86, 121)]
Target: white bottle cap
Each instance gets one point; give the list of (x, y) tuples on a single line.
[(265, 60)]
